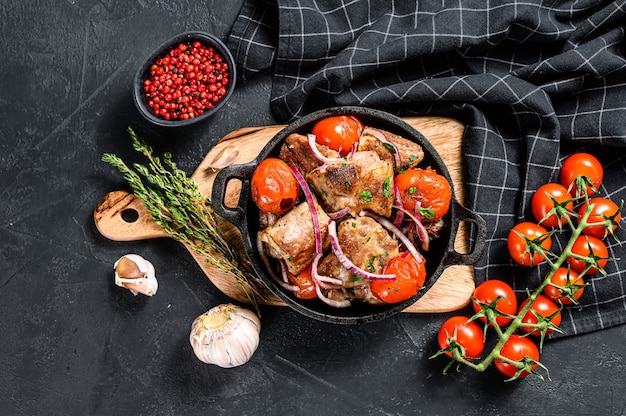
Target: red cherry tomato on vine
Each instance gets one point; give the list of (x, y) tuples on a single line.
[(462, 331), (585, 166), (588, 246), (517, 348), (427, 187), (544, 307), (338, 132), (410, 276), (488, 291), (274, 188), (304, 281), (548, 198), (564, 278), (520, 246), (603, 210)]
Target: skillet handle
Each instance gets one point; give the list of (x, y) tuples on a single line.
[(464, 214), (235, 215)]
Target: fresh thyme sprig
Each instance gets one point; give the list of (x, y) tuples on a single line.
[(178, 207)]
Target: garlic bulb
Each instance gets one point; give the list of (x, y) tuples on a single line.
[(227, 335), (136, 274)]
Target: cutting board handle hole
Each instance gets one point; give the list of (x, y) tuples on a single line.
[(130, 215)]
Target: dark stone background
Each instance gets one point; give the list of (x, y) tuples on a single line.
[(74, 344)]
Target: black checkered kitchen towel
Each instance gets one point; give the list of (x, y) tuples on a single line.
[(533, 81)]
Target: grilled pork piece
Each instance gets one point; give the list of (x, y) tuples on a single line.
[(365, 243), (292, 237), (410, 153), (330, 266), (369, 246), (295, 151), (362, 182)]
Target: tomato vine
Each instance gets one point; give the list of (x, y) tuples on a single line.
[(514, 353)]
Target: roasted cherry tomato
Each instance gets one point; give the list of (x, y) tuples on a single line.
[(410, 275), (603, 210), (581, 168), (518, 349), (550, 199), (563, 281), (304, 281), (430, 189), (544, 307), (522, 246), (588, 246), (274, 188), (459, 330), (338, 132), (487, 292)]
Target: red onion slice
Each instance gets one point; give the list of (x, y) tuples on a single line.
[(345, 261), (284, 271), (325, 281), (339, 214), (381, 136), (311, 202), (324, 159), (400, 213), (422, 232), (353, 149), (331, 302)]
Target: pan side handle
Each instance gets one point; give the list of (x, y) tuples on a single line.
[(480, 236), (235, 214)]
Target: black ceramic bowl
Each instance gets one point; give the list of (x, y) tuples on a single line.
[(245, 216), (143, 72)]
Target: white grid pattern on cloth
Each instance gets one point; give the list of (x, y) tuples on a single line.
[(532, 82)]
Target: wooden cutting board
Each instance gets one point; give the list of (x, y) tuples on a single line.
[(120, 216)]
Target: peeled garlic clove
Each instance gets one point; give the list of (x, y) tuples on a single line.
[(226, 335), (136, 274), (225, 157)]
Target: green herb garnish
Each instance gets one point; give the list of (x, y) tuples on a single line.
[(366, 195)]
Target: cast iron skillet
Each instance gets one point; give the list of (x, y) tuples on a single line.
[(245, 217)]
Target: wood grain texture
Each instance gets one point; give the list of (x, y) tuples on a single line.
[(452, 290)]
